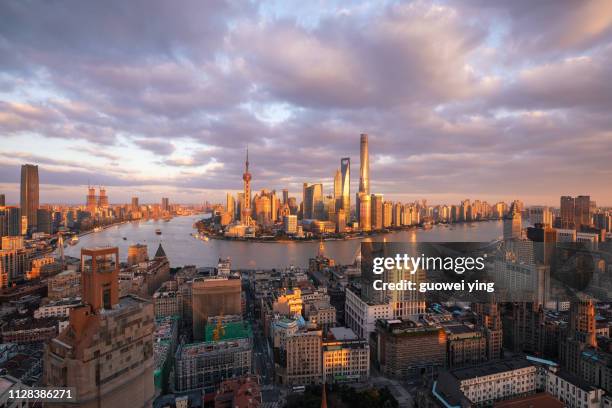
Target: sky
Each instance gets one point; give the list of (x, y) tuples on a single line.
[(462, 99)]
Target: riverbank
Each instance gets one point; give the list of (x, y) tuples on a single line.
[(335, 237)]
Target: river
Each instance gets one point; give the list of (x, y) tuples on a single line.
[(183, 249)]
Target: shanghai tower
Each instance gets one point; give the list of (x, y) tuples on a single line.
[(364, 170)]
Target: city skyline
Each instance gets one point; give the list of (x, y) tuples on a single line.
[(512, 103)]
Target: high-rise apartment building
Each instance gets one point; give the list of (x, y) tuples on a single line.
[(106, 352), (29, 194)]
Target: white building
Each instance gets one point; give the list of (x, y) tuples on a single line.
[(361, 316)]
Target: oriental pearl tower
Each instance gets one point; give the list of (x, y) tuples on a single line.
[(246, 206)]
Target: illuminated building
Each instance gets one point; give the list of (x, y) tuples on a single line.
[(102, 199), (289, 304), (42, 267), (365, 211), (106, 353), (29, 194), (137, 253), (91, 200), (245, 215), (290, 224), (135, 205), (13, 265), (345, 357), (43, 221), (540, 215), (345, 174), (387, 214), (364, 169), (213, 297), (338, 190), (312, 204), (230, 205)]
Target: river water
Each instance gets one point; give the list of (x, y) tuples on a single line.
[(183, 249)]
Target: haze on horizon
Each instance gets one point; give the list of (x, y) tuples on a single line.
[(466, 99)]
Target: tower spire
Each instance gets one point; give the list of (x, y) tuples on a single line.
[(247, 159)]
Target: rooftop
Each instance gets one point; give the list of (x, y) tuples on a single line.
[(491, 368)]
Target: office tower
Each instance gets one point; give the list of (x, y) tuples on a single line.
[(567, 212), (239, 201), (377, 203), (398, 210), (245, 215), (230, 204), (102, 199), (365, 211), (285, 196), (29, 194), (43, 221), (214, 297), (106, 352), (135, 205), (364, 170), (263, 208), (513, 225), (582, 211), (165, 204), (312, 206), (338, 190), (345, 173), (2, 200)]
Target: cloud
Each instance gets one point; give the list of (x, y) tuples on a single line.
[(470, 98)]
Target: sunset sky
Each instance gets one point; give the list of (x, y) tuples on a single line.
[(461, 99)]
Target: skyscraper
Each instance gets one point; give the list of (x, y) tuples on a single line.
[(230, 204), (365, 211), (102, 198), (165, 204), (285, 196), (582, 211), (338, 189), (364, 169), (567, 212), (513, 223), (91, 200), (345, 170), (135, 205), (246, 202), (377, 211), (2, 200), (312, 206), (29, 193)]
